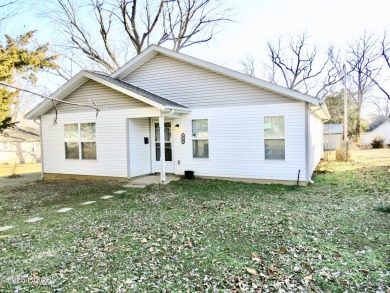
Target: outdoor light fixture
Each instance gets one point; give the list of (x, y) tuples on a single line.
[(177, 127)]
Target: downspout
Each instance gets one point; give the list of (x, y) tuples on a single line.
[(41, 142), (162, 146), (307, 145)]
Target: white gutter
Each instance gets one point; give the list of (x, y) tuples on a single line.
[(162, 146), (41, 141), (307, 144)]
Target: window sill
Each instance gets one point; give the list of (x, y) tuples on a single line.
[(274, 161), (73, 160)]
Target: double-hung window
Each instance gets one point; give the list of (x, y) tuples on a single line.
[(80, 141), (274, 138), (29, 147), (200, 138), (5, 146)]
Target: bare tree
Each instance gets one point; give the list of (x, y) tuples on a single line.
[(9, 8), (190, 22), (363, 57), (382, 106), (301, 66), (66, 15), (385, 53), (249, 66), (115, 25)]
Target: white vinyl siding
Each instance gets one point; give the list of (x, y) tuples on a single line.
[(196, 87), (331, 140), (104, 97), (111, 138), (235, 138), (382, 131)]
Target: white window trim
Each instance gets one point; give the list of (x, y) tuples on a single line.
[(79, 142), (208, 139), (275, 138), (25, 144), (7, 148)]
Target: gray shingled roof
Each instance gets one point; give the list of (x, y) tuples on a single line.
[(333, 128), (377, 122), (142, 92)]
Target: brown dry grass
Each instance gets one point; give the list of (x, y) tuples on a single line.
[(378, 159), (7, 170)]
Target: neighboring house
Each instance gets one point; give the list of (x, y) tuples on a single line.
[(333, 134), (19, 146), (216, 122), (380, 128)]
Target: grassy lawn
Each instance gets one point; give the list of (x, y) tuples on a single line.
[(202, 235), (7, 170)]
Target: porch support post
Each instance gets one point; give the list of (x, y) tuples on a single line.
[(162, 149)]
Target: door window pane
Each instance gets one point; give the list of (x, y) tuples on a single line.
[(167, 141)]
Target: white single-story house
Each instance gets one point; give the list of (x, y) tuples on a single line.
[(19, 146), (216, 122), (333, 134), (379, 128)]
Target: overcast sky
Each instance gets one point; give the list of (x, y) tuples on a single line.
[(257, 21)]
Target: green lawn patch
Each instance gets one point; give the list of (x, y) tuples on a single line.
[(199, 235)]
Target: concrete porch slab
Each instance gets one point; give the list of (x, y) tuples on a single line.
[(152, 179)]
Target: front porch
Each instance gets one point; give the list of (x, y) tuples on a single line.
[(151, 179)]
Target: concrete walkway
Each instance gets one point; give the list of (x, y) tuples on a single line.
[(139, 182), (63, 210)]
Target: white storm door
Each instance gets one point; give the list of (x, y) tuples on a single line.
[(166, 145)]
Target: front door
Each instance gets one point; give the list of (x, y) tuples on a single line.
[(166, 144)]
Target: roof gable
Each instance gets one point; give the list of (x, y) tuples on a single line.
[(120, 86), (379, 121), (153, 50)]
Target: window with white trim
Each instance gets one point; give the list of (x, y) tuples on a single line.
[(274, 138), (200, 138), (80, 141), (5, 146), (29, 147)]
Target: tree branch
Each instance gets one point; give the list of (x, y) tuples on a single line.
[(93, 105)]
